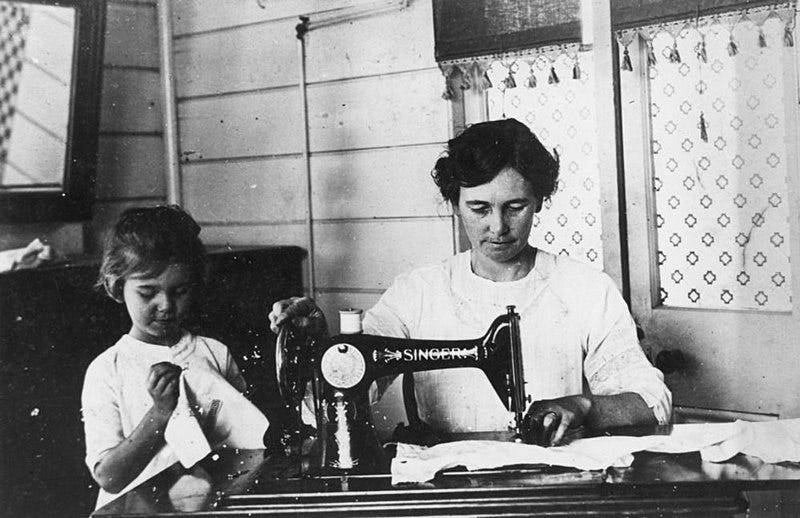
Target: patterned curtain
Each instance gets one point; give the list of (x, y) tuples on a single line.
[(718, 98)]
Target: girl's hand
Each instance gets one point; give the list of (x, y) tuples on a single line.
[(162, 384), (303, 312), (548, 421)]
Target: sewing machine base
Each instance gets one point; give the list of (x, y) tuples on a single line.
[(310, 449)]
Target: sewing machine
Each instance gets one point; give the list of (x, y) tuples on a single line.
[(340, 371)]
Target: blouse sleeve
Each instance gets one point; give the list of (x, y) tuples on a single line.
[(101, 414), (391, 315), (614, 361)]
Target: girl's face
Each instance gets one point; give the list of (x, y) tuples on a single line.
[(158, 305)]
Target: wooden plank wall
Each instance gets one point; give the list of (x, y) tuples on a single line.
[(131, 166), (130, 155), (377, 123)]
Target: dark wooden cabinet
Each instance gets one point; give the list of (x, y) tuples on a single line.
[(53, 324)]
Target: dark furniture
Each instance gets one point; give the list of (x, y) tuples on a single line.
[(53, 323), (251, 483)]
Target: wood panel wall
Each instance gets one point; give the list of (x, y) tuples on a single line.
[(131, 163), (377, 123)]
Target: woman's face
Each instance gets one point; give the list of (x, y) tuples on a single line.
[(497, 216)]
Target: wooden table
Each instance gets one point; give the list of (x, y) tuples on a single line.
[(252, 483)]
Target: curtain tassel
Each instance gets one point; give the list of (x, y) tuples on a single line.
[(702, 55), (674, 55), (466, 81), (651, 55), (732, 48), (509, 82), (626, 60), (553, 78), (576, 70), (486, 83), (703, 132), (448, 93), (788, 39), (532, 80), (762, 40)]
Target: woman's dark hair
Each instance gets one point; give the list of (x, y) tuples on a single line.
[(480, 152), (146, 241)]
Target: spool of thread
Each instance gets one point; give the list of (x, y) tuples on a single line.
[(350, 321)]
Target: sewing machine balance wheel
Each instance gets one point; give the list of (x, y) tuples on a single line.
[(288, 363)]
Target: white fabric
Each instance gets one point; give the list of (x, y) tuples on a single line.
[(183, 433), (115, 397), (32, 256), (574, 324), (772, 441), (237, 423)]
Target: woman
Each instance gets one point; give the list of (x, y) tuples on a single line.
[(581, 357)]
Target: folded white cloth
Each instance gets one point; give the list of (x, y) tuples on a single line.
[(772, 441), (183, 432), (32, 256), (212, 414)]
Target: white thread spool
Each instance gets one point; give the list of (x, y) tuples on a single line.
[(350, 321)]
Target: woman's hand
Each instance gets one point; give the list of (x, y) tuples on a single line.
[(162, 384), (303, 313), (548, 421)]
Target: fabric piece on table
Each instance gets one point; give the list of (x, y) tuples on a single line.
[(772, 441)]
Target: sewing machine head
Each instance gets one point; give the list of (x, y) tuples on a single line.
[(340, 371)]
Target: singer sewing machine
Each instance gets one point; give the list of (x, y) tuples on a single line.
[(339, 372)]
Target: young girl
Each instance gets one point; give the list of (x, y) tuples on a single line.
[(153, 263)]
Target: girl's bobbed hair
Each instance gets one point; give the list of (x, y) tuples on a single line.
[(145, 241), (481, 151)]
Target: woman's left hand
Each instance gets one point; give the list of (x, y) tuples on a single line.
[(548, 421)]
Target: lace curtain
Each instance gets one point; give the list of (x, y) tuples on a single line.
[(720, 138)]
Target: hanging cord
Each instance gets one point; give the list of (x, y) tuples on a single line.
[(302, 30), (702, 59), (346, 14), (531, 81), (508, 82)]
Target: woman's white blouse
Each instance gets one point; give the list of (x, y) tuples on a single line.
[(577, 337)]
